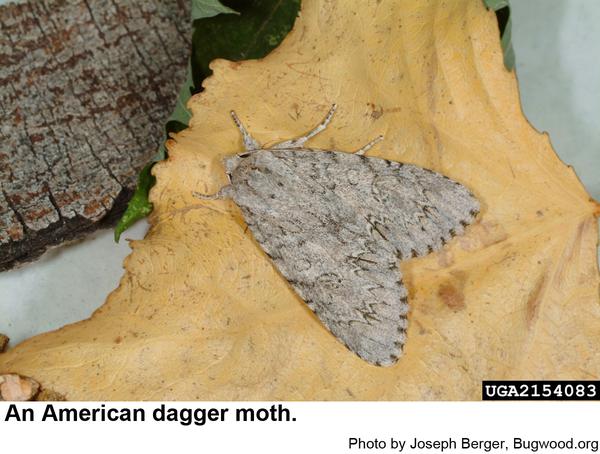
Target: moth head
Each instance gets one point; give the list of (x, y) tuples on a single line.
[(232, 162)]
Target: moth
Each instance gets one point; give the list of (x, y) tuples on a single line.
[(336, 224)]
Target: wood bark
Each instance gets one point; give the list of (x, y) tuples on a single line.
[(85, 90)]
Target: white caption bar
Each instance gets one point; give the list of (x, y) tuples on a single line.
[(300, 427)]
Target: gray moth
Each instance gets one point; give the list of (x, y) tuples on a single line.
[(336, 225)]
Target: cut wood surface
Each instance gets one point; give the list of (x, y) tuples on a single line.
[(201, 313), (85, 90), (16, 388)]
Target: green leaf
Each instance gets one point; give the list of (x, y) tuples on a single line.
[(209, 8), (502, 9), (259, 28), (181, 113), (495, 5), (507, 47), (180, 116), (139, 206)]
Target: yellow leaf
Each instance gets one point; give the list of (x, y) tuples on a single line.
[(201, 313)]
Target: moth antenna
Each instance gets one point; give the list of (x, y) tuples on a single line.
[(250, 143), (361, 151), (299, 142)]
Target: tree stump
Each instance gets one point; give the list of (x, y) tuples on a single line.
[(85, 90)]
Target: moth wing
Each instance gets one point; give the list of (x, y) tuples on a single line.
[(417, 210), (326, 251)]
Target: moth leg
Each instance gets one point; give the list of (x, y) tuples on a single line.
[(250, 143), (226, 192), (368, 146), (298, 142)]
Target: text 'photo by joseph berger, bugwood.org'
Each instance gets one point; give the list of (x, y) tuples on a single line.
[(469, 444)]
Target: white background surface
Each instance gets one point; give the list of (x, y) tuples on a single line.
[(559, 75)]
